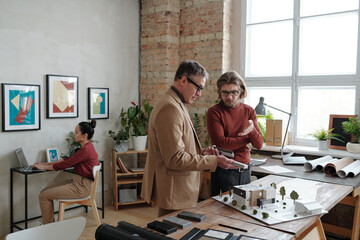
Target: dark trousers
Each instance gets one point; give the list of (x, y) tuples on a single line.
[(225, 179)]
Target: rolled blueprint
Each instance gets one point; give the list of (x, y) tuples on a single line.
[(311, 165), (331, 169), (350, 170)]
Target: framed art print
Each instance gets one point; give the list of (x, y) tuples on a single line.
[(98, 102), (62, 96), (20, 107), (52, 154)]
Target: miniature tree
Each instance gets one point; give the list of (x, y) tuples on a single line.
[(243, 207), (294, 195), (234, 203), (282, 192), (255, 211), (225, 199), (220, 194), (273, 185), (230, 192), (265, 215)]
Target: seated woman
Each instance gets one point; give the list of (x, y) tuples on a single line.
[(83, 162)]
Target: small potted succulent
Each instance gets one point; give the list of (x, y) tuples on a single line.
[(322, 137)]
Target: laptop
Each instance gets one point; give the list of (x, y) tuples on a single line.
[(288, 159), (24, 165)]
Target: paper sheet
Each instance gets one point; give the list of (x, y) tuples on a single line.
[(331, 169), (352, 168), (311, 165), (276, 169)]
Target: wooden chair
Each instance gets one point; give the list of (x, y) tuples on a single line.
[(88, 201), (70, 229)]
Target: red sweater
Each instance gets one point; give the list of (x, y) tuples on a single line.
[(83, 161), (224, 124)]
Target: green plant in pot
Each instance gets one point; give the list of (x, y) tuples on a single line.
[(138, 119), (120, 139), (352, 127), (323, 135)]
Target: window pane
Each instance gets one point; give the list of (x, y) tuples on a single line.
[(328, 45), (265, 10), (276, 97), (269, 49), (315, 7), (317, 103)]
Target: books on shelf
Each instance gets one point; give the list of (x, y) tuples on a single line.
[(121, 165), (136, 169)]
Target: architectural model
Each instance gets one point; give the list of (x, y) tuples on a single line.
[(270, 204)]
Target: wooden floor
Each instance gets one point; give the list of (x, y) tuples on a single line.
[(139, 214)]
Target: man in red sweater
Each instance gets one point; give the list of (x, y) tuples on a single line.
[(232, 125)]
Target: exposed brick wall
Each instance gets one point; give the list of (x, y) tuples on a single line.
[(176, 30)]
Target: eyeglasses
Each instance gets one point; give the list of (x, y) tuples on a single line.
[(232, 93), (199, 88)]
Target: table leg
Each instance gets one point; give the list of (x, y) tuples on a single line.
[(356, 223), (310, 234), (26, 201), (102, 190), (11, 201)]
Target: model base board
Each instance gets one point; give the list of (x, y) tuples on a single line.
[(278, 212)]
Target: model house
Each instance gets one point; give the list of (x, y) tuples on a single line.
[(307, 206), (252, 195)]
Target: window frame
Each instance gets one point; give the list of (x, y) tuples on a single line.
[(294, 81)]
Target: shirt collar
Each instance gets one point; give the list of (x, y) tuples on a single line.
[(178, 94)]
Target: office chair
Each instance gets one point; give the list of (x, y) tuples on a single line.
[(88, 201), (69, 229)]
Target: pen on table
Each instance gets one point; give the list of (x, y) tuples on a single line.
[(235, 228)]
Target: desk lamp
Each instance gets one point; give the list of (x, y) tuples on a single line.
[(261, 110)]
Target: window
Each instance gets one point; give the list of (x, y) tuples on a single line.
[(302, 57)]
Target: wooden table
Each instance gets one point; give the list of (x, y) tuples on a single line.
[(328, 195), (213, 220), (299, 172)]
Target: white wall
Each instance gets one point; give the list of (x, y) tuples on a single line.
[(97, 40)]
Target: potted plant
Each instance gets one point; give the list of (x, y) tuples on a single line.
[(120, 140), (322, 137), (138, 118), (352, 127)]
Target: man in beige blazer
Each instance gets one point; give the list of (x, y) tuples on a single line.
[(175, 158)]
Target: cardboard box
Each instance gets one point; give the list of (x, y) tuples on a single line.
[(274, 132)]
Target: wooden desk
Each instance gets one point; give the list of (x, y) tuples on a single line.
[(14, 224), (299, 172), (328, 195), (212, 221)]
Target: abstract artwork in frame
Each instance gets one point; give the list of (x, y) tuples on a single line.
[(62, 96), (20, 107), (98, 102), (52, 154)]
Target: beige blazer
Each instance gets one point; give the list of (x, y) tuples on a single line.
[(174, 160)]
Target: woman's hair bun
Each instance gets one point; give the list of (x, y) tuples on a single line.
[(93, 123)]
